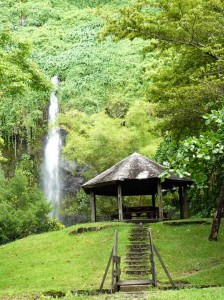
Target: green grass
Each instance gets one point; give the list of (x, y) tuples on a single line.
[(188, 255), (196, 294), (59, 261), (185, 294)]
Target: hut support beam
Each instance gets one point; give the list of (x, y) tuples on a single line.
[(183, 202), (93, 207), (153, 201), (185, 206), (119, 200), (160, 199)]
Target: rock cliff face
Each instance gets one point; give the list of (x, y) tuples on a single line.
[(72, 178), (71, 173), (71, 181)]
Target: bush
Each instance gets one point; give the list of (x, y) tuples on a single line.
[(23, 209)]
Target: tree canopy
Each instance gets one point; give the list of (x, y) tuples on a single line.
[(23, 89), (99, 141), (186, 82), (187, 36), (132, 74)]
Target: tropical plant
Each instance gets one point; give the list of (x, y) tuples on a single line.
[(23, 90), (186, 78), (23, 208)]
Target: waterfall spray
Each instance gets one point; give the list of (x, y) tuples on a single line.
[(52, 184)]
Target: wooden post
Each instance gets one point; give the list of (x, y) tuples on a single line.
[(153, 201), (154, 211), (116, 260), (185, 206), (153, 266), (115, 263), (183, 202), (120, 205), (160, 198), (93, 207), (106, 271), (116, 271), (163, 265), (180, 192)]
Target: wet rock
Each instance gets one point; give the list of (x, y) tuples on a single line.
[(72, 177)]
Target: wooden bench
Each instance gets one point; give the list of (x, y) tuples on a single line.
[(140, 211), (149, 212)]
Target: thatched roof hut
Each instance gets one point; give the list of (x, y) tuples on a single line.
[(134, 175)]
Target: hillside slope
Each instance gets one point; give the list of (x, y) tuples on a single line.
[(59, 261), (102, 78), (64, 35)]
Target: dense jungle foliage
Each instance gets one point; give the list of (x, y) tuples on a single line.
[(144, 76)]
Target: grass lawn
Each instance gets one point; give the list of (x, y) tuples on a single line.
[(188, 255), (185, 294), (59, 261)]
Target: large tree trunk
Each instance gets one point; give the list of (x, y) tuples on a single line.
[(217, 216)]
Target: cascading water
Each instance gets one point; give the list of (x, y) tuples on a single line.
[(52, 184)]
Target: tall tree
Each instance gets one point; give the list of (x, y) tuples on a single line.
[(23, 89), (99, 141), (187, 79), (202, 158)]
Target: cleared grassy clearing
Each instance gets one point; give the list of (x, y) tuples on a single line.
[(59, 261), (188, 255), (184, 294)]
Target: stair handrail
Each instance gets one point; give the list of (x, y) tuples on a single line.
[(152, 260), (164, 267), (115, 260), (154, 251)]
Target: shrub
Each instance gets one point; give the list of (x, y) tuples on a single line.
[(23, 209)]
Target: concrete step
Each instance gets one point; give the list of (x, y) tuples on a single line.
[(138, 267), (140, 233), (142, 221), (138, 245), (134, 288), (137, 248), (138, 272), (136, 242), (139, 230), (134, 285), (138, 256), (138, 252), (139, 239), (137, 261), (141, 260), (135, 257)]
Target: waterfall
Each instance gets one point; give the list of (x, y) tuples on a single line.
[(52, 184)]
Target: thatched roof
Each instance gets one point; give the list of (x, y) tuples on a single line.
[(137, 174)]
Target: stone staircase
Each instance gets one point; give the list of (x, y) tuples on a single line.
[(137, 273)]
